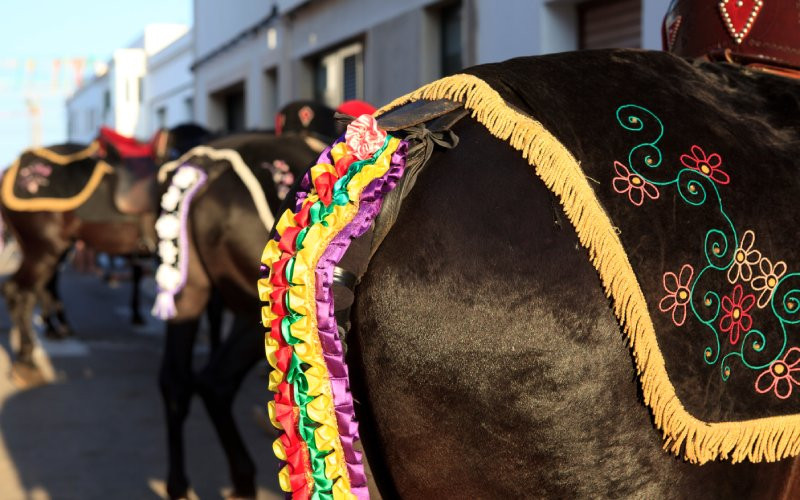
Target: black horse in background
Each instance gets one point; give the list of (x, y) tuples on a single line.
[(225, 231), (115, 218)]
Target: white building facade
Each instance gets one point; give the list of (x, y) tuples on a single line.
[(253, 56), (169, 86), (116, 97)]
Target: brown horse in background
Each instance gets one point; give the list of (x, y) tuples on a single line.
[(45, 236)]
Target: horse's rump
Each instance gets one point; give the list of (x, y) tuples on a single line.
[(650, 169)]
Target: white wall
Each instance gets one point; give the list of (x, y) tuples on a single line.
[(128, 68), (169, 84), (85, 110), (219, 21)]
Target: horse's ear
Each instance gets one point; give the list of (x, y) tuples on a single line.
[(160, 145)]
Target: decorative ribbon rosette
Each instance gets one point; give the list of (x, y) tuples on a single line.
[(173, 245), (337, 200)]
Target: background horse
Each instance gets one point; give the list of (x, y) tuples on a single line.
[(45, 236), (224, 233)]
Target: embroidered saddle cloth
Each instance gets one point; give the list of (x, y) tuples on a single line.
[(53, 179), (681, 180)]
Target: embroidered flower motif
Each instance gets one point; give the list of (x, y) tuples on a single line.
[(737, 317), (745, 258), (781, 376), (633, 184), (708, 165), (363, 137), (678, 294), (34, 176), (766, 282)]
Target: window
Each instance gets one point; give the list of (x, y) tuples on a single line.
[(188, 105), (610, 24), (161, 117), (450, 43), (106, 103), (234, 111), (339, 75)]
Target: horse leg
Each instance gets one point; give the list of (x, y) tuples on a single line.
[(176, 378), (217, 385), (214, 314), (175, 381), (136, 316), (56, 325)]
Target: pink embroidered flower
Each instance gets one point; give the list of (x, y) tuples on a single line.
[(737, 317), (708, 165), (745, 258), (678, 294), (781, 376), (636, 187), (766, 282), (363, 137)]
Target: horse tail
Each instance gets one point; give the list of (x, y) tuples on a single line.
[(173, 237)]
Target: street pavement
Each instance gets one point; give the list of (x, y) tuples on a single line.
[(98, 430)]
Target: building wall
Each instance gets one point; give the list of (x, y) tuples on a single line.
[(85, 111), (275, 65), (169, 85), (126, 75)]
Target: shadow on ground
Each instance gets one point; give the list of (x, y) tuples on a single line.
[(99, 430)]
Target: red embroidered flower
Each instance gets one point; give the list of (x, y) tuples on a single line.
[(708, 165), (737, 317), (678, 294), (633, 184), (781, 376), (363, 137)]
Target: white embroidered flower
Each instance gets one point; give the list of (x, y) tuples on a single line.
[(168, 227), (168, 278), (168, 252), (170, 199), (185, 176)]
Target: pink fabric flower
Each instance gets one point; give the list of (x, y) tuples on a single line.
[(781, 376), (708, 165), (737, 317), (363, 137), (678, 294), (634, 185)]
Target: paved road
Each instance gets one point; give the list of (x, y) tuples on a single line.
[(98, 431)]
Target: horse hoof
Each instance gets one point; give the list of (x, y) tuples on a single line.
[(58, 334), (26, 375), (138, 320)]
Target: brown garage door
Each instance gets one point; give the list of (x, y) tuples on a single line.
[(610, 23)]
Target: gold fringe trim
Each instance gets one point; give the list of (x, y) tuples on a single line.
[(53, 204), (60, 159), (765, 439)]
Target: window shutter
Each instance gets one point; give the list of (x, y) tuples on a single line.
[(610, 24)]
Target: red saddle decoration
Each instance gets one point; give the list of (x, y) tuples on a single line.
[(128, 147)]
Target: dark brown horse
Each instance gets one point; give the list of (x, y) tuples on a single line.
[(224, 232), (486, 361), (45, 235)]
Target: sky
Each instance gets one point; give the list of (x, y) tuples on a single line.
[(35, 33)]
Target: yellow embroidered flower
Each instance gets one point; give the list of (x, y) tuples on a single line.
[(766, 282), (744, 259)]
